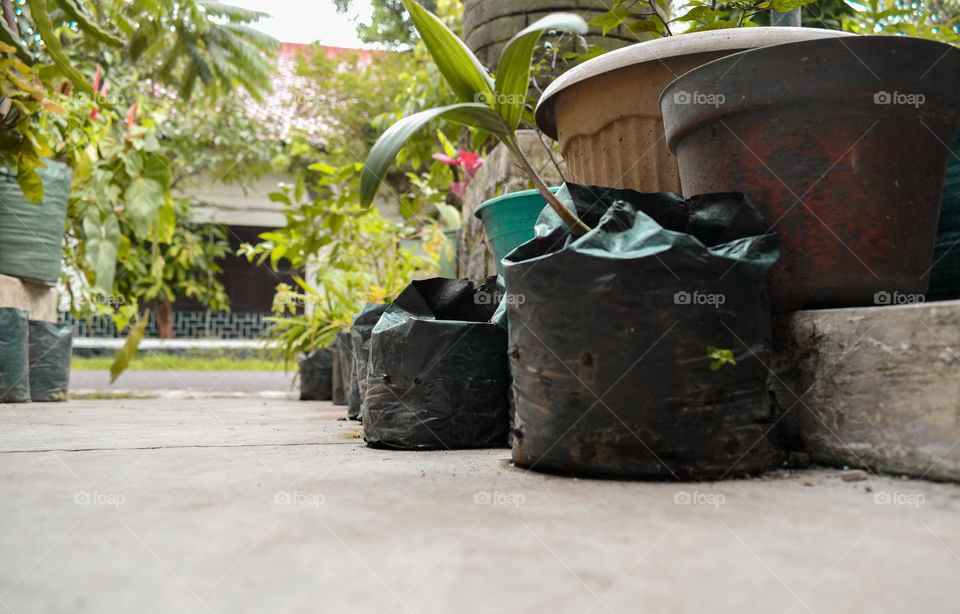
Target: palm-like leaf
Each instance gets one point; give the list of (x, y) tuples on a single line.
[(389, 144), (513, 71), (467, 77)]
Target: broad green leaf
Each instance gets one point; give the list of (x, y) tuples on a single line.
[(121, 360), (326, 169), (449, 214), (611, 19), (467, 77), (167, 221), (385, 150), (102, 242), (31, 185), (513, 71), (144, 197), (156, 167)]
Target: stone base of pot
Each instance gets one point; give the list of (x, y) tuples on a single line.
[(840, 145)]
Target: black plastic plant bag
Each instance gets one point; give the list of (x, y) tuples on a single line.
[(623, 346), (438, 369), (337, 396), (360, 332), (316, 375), (351, 390), (14, 362), (49, 353)]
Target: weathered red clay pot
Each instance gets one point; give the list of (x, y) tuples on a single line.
[(842, 145)]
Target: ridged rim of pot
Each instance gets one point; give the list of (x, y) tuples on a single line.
[(669, 47), (858, 79), (499, 199)]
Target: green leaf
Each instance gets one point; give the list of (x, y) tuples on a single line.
[(449, 214), (467, 77), (385, 150), (610, 19), (720, 357), (144, 197), (102, 242), (513, 71), (31, 185), (121, 360), (782, 6)]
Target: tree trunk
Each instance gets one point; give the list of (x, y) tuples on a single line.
[(164, 311)]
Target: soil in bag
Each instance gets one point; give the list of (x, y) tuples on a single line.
[(316, 375), (14, 363), (640, 347), (49, 352), (360, 332), (438, 374)]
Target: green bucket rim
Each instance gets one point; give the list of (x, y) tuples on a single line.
[(498, 199)]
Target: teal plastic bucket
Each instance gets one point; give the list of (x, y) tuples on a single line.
[(945, 276), (509, 220)]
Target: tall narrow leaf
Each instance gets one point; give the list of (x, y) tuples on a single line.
[(385, 150), (121, 360), (467, 77), (513, 71)]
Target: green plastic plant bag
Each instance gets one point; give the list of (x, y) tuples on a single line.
[(49, 351), (14, 366), (31, 234)]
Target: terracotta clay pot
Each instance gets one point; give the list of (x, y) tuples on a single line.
[(841, 144), (606, 112)]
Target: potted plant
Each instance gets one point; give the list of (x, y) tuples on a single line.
[(491, 106), (605, 112), (842, 146)]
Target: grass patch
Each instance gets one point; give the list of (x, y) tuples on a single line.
[(172, 362)]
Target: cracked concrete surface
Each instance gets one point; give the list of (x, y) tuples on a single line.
[(252, 505)]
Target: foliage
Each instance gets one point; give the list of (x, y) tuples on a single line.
[(654, 16), (389, 24), (358, 255), (719, 357), (493, 106), (128, 235), (934, 19), (25, 137)]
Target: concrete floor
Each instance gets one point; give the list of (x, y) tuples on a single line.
[(253, 505), (185, 383)]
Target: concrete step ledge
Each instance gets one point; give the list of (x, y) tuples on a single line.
[(39, 301), (873, 387)]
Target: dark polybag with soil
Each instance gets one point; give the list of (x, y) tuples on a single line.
[(337, 394), (49, 351), (438, 369), (14, 363), (639, 348), (360, 332), (316, 375), (351, 391)]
